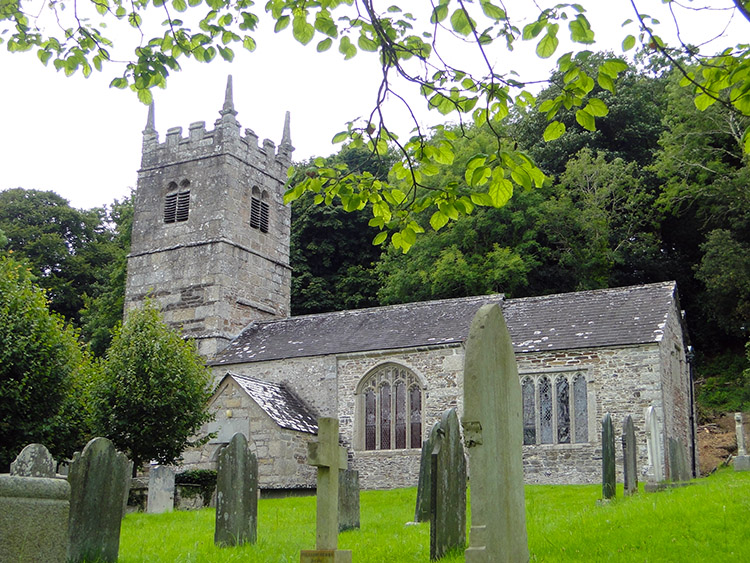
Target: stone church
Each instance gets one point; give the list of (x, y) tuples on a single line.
[(210, 244)]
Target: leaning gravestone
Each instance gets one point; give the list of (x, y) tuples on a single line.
[(494, 434), (448, 488), (329, 458), (33, 461), (609, 479), (99, 478), (629, 456), (424, 487), (655, 474), (348, 499), (236, 494), (741, 460), (160, 489)]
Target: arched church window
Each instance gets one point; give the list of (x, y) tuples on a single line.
[(529, 411), (177, 202), (580, 408), (259, 210), (391, 409), (562, 395), (545, 413)]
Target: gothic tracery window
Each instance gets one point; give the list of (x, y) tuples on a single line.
[(555, 409), (392, 409)]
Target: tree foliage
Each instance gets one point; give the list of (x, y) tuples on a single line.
[(45, 376), (154, 390)]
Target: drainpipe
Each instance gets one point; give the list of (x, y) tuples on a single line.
[(690, 357)]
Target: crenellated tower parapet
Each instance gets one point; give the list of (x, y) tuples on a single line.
[(211, 233)]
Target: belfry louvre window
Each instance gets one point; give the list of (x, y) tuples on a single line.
[(555, 408), (177, 204), (259, 211), (392, 409)]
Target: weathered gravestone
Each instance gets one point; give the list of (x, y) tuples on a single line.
[(329, 458), (609, 478), (741, 460), (493, 434), (424, 486), (33, 461), (447, 488), (236, 494), (33, 519), (348, 499), (655, 473), (629, 456), (99, 478), (678, 463), (160, 489)]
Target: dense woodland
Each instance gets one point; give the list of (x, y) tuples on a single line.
[(658, 192)]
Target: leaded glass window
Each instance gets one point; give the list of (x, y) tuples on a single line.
[(545, 410), (370, 420), (529, 411), (555, 409), (415, 412), (580, 408), (563, 410), (401, 406), (385, 417)]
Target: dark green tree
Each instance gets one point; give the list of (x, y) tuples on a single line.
[(45, 376), (153, 394)]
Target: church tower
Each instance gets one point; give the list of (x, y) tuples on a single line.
[(210, 240)]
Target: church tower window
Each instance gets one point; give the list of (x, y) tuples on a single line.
[(259, 210), (390, 403), (177, 203)]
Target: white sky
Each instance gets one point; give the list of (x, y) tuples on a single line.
[(82, 139)]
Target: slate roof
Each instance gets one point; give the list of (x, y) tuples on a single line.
[(585, 319), (284, 408)]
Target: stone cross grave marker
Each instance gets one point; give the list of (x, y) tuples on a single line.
[(33, 461), (236, 494), (329, 458), (99, 479), (629, 456), (609, 478), (741, 460), (448, 488), (348, 499), (654, 442), (160, 489), (494, 434), (424, 487)]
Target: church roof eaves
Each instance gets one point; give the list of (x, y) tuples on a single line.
[(282, 406), (564, 321)]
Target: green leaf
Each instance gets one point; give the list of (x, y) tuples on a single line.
[(628, 43), (438, 220), (346, 48), (324, 45), (460, 22), (341, 136), (144, 95), (248, 43), (302, 31), (439, 13), (380, 238), (746, 141), (596, 107), (553, 131), (702, 101), (281, 23), (586, 120), (179, 5), (547, 46), (501, 189), (580, 30), (606, 82), (367, 44), (492, 11)]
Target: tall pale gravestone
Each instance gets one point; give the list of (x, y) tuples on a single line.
[(493, 433), (654, 441), (348, 499), (99, 479), (236, 494), (33, 461), (424, 486), (609, 477), (629, 456), (33, 510), (741, 460), (329, 458), (447, 488), (160, 489)]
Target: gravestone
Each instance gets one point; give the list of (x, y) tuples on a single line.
[(678, 464), (629, 456), (33, 461), (348, 499), (447, 488), (160, 489), (741, 460), (609, 478), (654, 441), (329, 458), (99, 478), (33, 519), (236, 494), (493, 434), (424, 487)]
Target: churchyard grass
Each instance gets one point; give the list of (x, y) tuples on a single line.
[(705, 521)]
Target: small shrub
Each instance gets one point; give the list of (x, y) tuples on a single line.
[(204, 478)]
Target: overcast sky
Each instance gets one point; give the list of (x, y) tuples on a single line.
[(82, 139)]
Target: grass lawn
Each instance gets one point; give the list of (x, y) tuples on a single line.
[(706, 521)]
